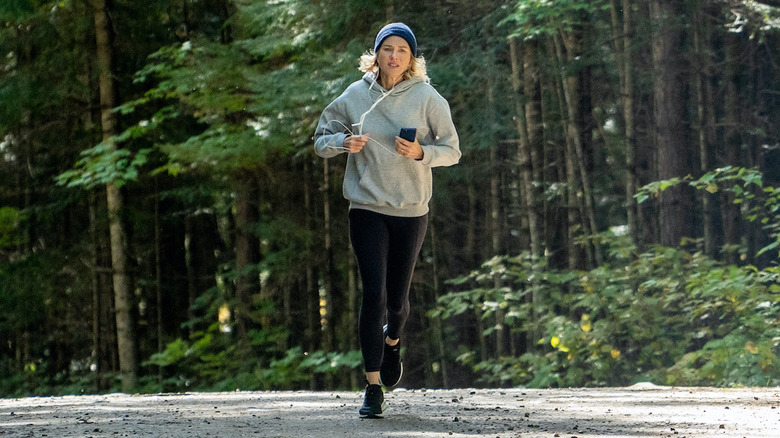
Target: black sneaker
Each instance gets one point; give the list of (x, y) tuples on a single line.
[(392, 367), (374, 404)]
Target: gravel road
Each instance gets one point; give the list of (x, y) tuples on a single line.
[(638, 411)]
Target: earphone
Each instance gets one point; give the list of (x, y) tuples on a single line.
[(359, 125)]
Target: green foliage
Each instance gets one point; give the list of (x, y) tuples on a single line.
[(10, 234), (251, 99), (535, 18), (23, 301), (742, 186), (666, 315), (212, 361), (296, 368), (104, 164), (209, 358), (232, 90), (41, 309), (16, 8)]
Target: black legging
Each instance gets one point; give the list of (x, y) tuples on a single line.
[(386, 248)]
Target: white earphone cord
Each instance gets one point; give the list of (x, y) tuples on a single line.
[(360, 124)]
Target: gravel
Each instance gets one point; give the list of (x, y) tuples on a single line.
[(642, 410)]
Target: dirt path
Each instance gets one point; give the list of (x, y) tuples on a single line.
[(639, 411)]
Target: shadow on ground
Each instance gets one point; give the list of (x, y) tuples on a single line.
[(640, 411)]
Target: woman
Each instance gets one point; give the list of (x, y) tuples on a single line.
[(388, 184)]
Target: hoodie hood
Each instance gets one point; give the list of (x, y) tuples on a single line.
[(377, 93), (374, 86)]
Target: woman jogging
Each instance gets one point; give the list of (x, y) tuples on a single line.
[(388, 183)]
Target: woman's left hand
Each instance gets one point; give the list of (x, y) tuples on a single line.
[(409, 149)]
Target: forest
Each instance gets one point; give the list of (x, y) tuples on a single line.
[(166, 226)]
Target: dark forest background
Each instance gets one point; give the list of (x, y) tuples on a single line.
[(165, 225)]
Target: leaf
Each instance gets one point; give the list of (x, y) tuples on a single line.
[(769, 247), (585, 323), (556, 343)]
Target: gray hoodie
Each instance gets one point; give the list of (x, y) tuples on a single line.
[(377, 178)]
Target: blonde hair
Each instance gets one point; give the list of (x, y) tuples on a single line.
[(417, 67)]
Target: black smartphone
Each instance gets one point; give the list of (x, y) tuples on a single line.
[(408, 134)]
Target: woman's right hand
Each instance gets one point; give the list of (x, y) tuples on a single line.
[(354, 143)]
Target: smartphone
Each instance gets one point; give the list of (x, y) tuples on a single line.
[(408, 134)]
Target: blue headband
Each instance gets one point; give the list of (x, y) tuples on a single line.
[(397, 29)]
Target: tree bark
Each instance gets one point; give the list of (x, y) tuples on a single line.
[(158, 276), (525, 82), (622, 34), (495, 217), (669, 95), (436, 323), (706, 119), (733, 143), (645, 149), (123, 300), (326, 295), (524, 178), (531, 159), (531, 165), (568, 48), (97, 292), (247, 254), (470, 256), (310, 342)]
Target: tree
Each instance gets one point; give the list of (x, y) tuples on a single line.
[(670, 113), (123, 297), (235, 234), (622, 30)]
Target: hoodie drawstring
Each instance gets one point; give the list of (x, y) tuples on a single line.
[(363, 116)]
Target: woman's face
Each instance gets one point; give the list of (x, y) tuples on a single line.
[(394, 56)]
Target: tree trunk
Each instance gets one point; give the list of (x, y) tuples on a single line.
[(326, 295), (526, 83), (706, 116), (733, 142), (622, 35), (158, 276), (577, 167), (533, 165), (645, 149), (96, 238), (575, 210), (531, 159), (200, 263), (192, 274), (577, 100), (495, 215), (247, 254), (524, 178), (669, 95), (310, 342), (97, 293), (470, 256), (123, 300), (436, 324)]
